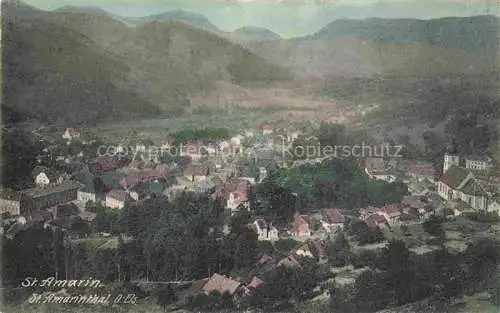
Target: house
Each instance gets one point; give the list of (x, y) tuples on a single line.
[(227, 149), (265, 260), (376, 220), (70, 134), (167, 143), (494, 205), (44, 215), (196, 173), (221, 284), (300, 226), (458, 183), (478, 162), (391, 213), (203, 186), (237, 140), (332, 220), (64, 210), (146, 175), (419, 204), (264, 230), (217, 180), (305, 251), (103, 164), (237, 199), (376, 168), (291, 137), (43, 176), (195, 150), (10, 202), (255, 282), (210, 146), (266, 129), (234, 193), (39, 198), (422, 172), (146, 189), (116, 199), (87, 193), (289, 262)]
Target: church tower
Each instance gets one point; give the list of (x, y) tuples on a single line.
[(449, 160)]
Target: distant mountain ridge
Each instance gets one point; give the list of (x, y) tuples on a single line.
[(257, 31), (82, 10), (187, 17), (474, 34), (90, 67)]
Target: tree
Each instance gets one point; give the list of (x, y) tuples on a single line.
[(19, 150), (246, 248), (366, 234), (339, 252), (434, 226), (165, 296)]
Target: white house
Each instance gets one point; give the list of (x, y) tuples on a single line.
[(116, 199), (85, 195), (237, 140), (44, 176), (494, 206), (478, 163), (235, 199), (264, 230), (305, 251), (70, 134)]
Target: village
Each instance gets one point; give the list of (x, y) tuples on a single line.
[(226, 170)]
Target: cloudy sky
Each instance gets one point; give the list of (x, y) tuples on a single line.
[(287, 17)]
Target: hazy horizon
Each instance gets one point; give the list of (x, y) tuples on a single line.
[(290, 18)]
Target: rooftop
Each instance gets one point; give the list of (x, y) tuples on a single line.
[(454, 176), (50, 189)]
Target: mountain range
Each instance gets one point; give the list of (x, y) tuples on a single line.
[(84, 65), (90, 67)]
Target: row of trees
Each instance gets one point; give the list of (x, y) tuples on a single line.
[(396, 277), (177, 240), (333, 183), (200, 134)]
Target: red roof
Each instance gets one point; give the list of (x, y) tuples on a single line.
[(240, 196), (375, 219), (424, 170), (266, 127), (334, 217), (195, 170), (300, 225), (147, 175), (104, 164), (391, 209), (255, 282), (120, 195), (192, 148), (417, 202), (221, 284), (239, 186), (168, 142)]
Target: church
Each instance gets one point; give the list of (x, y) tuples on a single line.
[(469, 183)]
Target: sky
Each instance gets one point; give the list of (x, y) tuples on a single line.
[(289, 18)]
